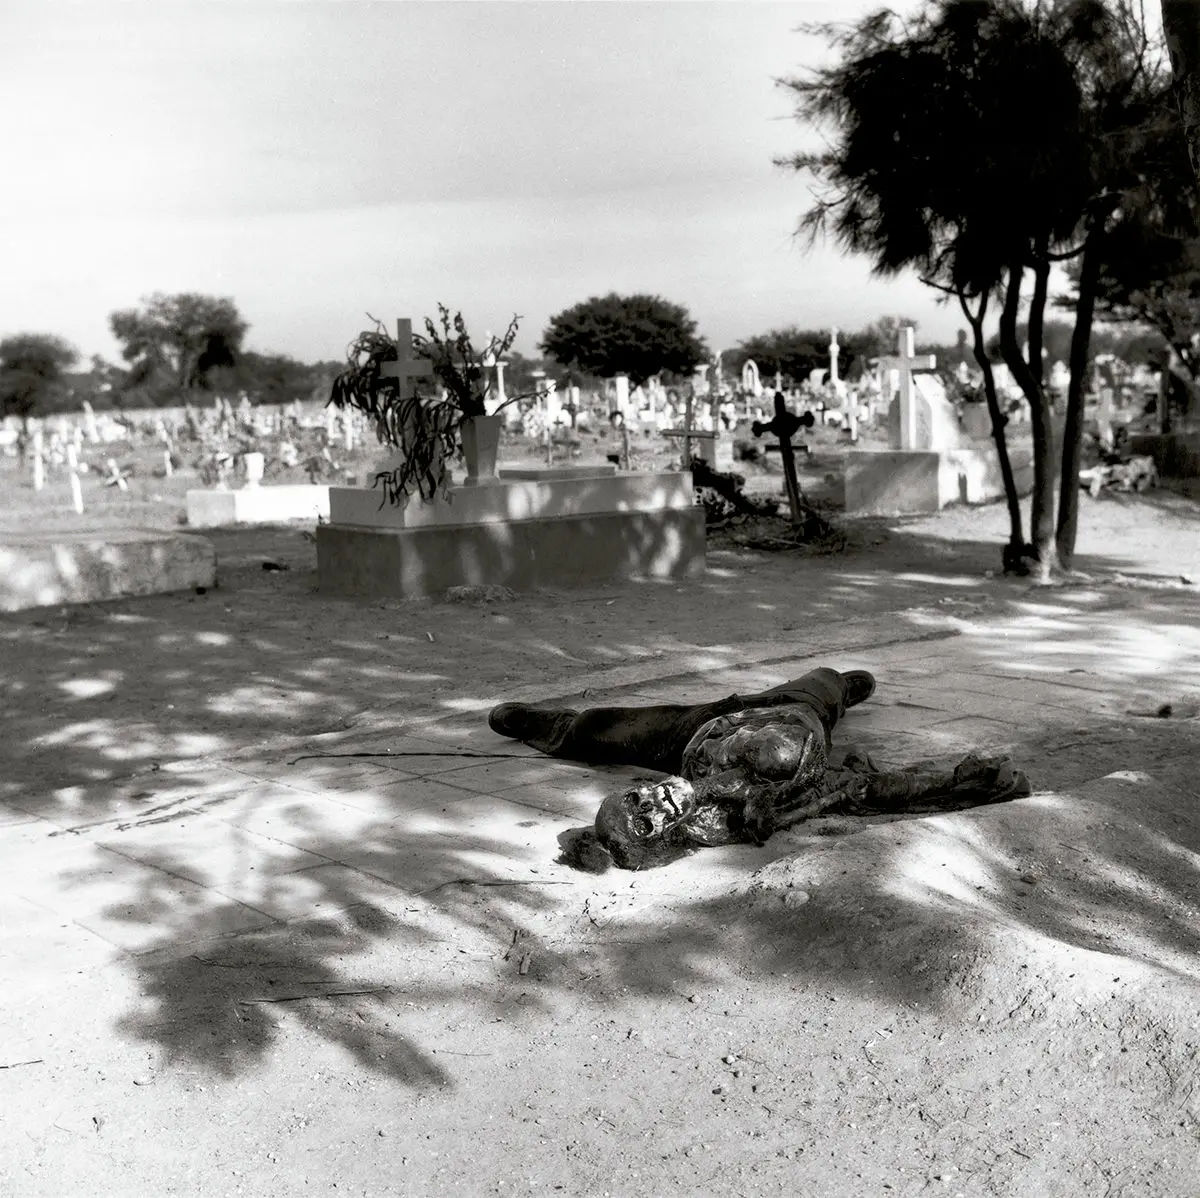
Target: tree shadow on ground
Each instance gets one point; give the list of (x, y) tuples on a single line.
[(245, 883)]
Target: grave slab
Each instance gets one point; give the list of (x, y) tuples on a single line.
[(87, 567), (917, 482), (510, 500), (258, 505), (521, 554)]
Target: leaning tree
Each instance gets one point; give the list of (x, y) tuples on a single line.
[(981, 143)]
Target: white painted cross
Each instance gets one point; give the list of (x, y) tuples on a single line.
[(406, 367), (904, 363)]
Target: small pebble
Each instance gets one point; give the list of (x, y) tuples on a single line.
[(1029, 879)]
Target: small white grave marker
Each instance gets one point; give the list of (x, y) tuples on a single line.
[(76, 488)]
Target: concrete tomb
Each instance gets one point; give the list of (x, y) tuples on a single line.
[(43, 569), (532, 528), (931, 460)]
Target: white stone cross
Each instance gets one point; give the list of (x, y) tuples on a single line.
[(904, 363), (406, 367)]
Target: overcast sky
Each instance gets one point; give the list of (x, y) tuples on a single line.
[(317, 162)]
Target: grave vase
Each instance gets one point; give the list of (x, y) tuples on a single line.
[(481, 446)]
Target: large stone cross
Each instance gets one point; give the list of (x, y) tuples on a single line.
[(905, 362), (405, 368)]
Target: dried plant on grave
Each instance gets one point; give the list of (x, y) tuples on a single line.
[(423, 426), (460, 368)]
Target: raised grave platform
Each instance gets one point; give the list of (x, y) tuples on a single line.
[(887, 482), (258, 505), (517, 532), (86, 567)]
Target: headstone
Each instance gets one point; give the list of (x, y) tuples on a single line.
[(850, 411), (255, 467), (751, 380), (1104, 418), (76, 488), (621, 401), (89, 421), (834, 350), (913, 426)]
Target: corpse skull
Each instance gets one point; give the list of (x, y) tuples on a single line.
[(646, 811)]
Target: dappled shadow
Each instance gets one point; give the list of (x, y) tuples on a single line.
[(165, 744)]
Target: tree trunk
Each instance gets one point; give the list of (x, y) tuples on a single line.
[(1081, 340), (1181, 28), (1016, 535), (1037, 311), (1041, 516)]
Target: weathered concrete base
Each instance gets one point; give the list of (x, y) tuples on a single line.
[(973, 475), (510, 499), (521, 554), (258, 505), (1176, 455), (915, 482), (84, 567)]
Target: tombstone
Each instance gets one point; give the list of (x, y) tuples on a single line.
[(932, 461), (751, 380), (834, 350), (73, 470), (913, 424), (552, 406), (620, 403), (89, 421), (255, 467), (1104, 418), (850, 411)]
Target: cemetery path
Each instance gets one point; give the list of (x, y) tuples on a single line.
[(237, 968)]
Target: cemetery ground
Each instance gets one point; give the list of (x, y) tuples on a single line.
[(269, 928)]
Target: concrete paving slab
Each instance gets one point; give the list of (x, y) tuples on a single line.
[(210, 852)]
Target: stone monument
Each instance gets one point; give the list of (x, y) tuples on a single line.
[(931, 460)]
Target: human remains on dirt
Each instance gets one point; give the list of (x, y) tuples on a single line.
[(741, 768)]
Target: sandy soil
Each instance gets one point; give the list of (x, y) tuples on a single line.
[(991, 1003)]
